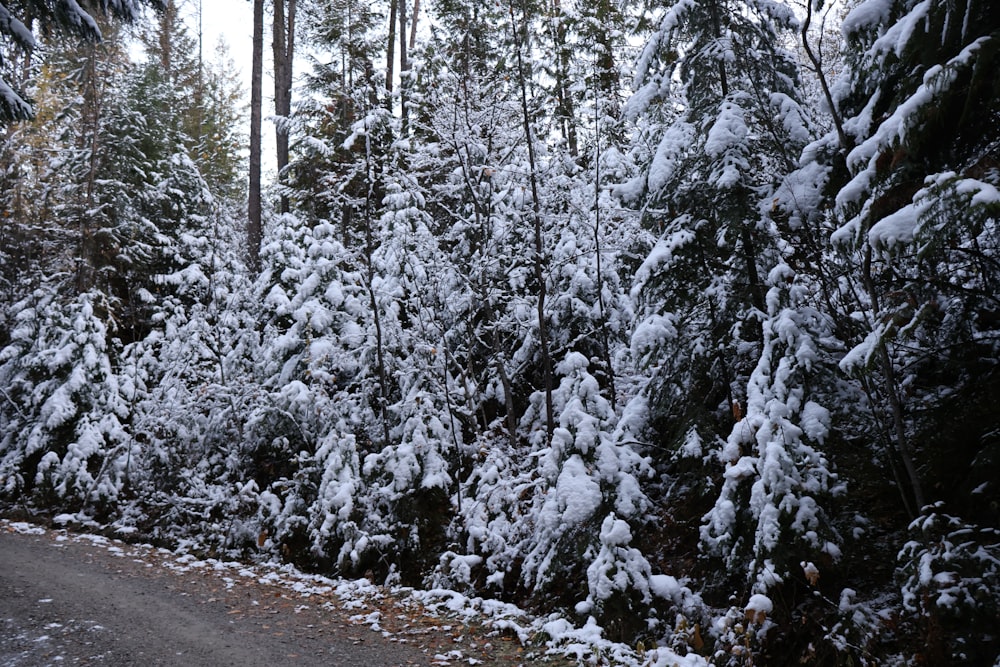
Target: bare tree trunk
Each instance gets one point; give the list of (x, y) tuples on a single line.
[(390, 55), (404, 67), (254, 228), (413, 24), (838, 123), (283, 44)]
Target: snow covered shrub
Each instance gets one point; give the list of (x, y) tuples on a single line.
[(950, 576), (190, 382), (857, 627), (739, 634), (768, 517), (62, 416), (336, 518), (625, 597), (492, 520), (582, 480)]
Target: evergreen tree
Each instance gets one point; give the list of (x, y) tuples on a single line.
[(140, 215), (917, 214), (723, 322), (65, 442), (69, 17)]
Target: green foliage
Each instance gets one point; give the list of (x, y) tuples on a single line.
[(950, 573)]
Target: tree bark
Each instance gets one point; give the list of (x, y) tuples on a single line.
[(404, 67), (390, 54), (283, 44), (413, 24), (254, 227)]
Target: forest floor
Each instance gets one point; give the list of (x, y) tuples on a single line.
[(70, 598)]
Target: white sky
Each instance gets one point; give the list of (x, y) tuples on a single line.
[(231, 19)]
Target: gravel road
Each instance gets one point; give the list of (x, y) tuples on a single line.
[(67, 601)]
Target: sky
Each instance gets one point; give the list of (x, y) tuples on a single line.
[(232, 20)]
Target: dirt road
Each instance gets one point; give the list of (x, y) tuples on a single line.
[(67, 601)]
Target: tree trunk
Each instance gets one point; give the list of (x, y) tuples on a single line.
[(605, 343), (539, 254), (87, 252), (254, 227), (390, 53), (563, 95), (902, 443), (404, 67), (838, 123), (413, 24), (283, 44)]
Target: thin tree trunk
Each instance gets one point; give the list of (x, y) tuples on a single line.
[(818, 67), (717, 26), (605, 344), (404, 67), (413, 24), (390, 55), (563, 94), (283, 44), (383, 376), (539, 254), (86, 259), (902, 444), (254, 228), (199, 93)]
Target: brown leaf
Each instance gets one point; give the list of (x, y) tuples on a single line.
[(697, 643)]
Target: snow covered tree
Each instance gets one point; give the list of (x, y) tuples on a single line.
[(70, 17), (700, 289), (716, 101), (143, 237), (950, 575), (316, 420), (917, 214), (65, 443), (777, 475), (222, 119), (33, 242)]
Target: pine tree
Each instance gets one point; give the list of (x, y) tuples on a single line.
[(917, 221), (65, 441), (68, 17)]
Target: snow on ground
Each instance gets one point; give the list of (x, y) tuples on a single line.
[(445, 608)]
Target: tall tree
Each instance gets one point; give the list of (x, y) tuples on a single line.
[(719, 93), (254, 213), (283, 47), (918, 222), (519, 28)]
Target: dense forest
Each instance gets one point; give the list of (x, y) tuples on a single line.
[(679, 319)]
